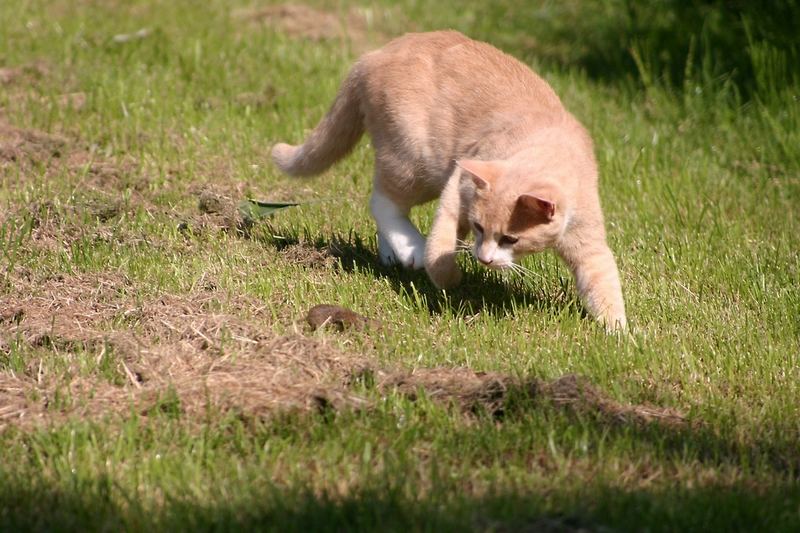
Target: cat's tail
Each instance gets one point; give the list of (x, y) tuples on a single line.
[(334, 136)]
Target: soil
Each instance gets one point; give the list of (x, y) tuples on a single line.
[(302, 21), (309, 256), (361, 28), (339, 318), (23, 74), (490, 392), (182, 346), (25, 145)]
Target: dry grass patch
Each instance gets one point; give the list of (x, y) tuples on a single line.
[(339, 318), (23, 75), (310, 256), (19, 146), (208, 350), (217, 210), (36, 155), (96, 187), (184, 346), (306, 22), (362, 28), (490, 392)]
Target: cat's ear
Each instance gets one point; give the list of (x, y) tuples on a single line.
[(538, 205), (483, 173)]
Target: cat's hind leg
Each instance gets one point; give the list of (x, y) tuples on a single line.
[(399, 242)]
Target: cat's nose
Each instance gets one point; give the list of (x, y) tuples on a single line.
[(485, 260)]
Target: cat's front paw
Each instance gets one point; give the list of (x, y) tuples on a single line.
[(443, 271), (411, 256), (614, 323)]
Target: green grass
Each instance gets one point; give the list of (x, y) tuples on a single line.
[(699, 182)]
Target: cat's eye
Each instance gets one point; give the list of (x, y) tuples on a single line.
[(478, 227), (507, 240)]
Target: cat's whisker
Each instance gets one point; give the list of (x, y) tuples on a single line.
[(516, 270), (525, 271)]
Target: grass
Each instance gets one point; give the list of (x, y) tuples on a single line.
[(700, 188)]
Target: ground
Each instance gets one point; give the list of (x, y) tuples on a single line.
[(159, 366)]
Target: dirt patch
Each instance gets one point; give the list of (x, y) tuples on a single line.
[(214, 203), (46, 213), (25, 145), (491, 392), (362, 27), (110, 175), (75, 101), (54, 226), (182, 347), (299, 20), (224, 208), (309, 256), (339, 318), (99, 187), (23, 74), (54, 153), (258, 100), (11, 315), (217, 210), (64, 309), (93, 195), (207, 350), (284, 374)]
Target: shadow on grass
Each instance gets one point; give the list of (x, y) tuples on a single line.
[(673, 41), (658, 486), (481, 291), (100, 505)]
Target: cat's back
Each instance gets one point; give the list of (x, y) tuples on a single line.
[(415, 46), (436, 66)]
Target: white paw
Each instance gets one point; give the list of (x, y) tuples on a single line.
[(385, 252), (409, 255), (412, 257)]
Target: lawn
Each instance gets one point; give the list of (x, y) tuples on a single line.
[(156, 367)]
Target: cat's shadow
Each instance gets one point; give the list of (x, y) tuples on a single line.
[(481, 290)]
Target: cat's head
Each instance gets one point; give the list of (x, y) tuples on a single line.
[(512, 213)]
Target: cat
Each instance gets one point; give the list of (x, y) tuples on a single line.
[(460, 120)]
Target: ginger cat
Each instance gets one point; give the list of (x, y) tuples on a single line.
[(460, 120)]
